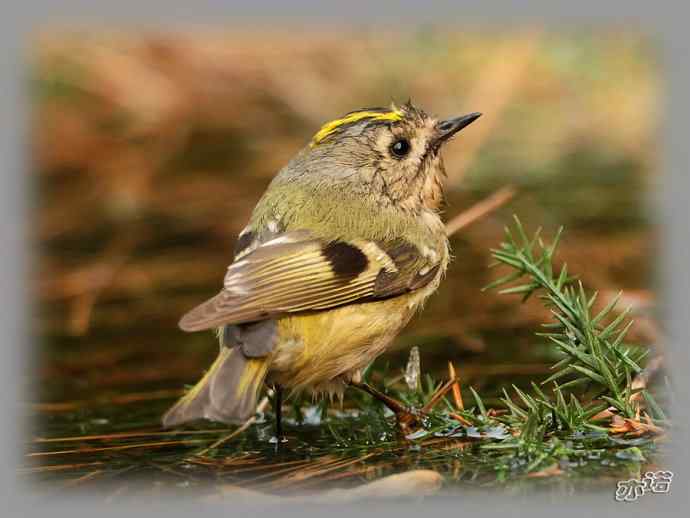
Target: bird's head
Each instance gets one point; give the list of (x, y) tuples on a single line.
[(392, 153)]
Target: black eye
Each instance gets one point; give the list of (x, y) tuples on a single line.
[(400, 147)]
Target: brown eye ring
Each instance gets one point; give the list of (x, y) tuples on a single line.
[(400, 148)]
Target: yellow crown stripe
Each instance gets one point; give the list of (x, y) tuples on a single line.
[(333, 125)]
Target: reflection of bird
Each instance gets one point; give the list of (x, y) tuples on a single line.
[(341, 250)]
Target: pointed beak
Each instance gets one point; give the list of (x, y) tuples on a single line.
[(449, 127)]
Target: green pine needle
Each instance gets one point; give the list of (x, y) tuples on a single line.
[(592, 344)]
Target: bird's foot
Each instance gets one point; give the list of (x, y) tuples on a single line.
[(408, 419)]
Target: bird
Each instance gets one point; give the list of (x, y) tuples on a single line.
[(343, 248)]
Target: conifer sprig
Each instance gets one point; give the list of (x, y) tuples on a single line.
[(593, 345)]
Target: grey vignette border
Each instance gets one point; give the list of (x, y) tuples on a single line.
[(666, 27)]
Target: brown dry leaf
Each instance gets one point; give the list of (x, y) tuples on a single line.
[(618, 424), (417, 483), (458, 417), (634, 426), (422, 482), (605, 414)]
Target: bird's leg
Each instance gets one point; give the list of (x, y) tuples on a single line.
[(278, 408), (406, 417)]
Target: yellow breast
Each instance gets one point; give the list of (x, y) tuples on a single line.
[(317, 349)]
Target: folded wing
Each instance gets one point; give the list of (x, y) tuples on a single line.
[(295, 272)]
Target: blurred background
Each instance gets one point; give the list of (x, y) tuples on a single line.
[(149, 151)]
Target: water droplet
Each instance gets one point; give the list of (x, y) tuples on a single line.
[(413, 369), (311, 415), (417, 435)]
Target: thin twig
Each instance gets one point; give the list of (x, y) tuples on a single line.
[(113, 448), (259, 409), (122, 399), (438, 395), (457, 395), (96, 279), (302, 475), (83, 478), (642, 379), (480, 209), (122, 435), (58, 467)]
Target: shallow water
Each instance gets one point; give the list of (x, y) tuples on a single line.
[(345, 449)]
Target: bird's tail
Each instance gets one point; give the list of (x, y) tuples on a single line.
[(227, 392)]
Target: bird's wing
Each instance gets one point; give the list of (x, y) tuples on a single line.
[(295, 272)]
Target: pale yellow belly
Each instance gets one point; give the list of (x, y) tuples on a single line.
[(322, 351)]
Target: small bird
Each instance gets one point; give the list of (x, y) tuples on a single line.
[(341, 250)]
